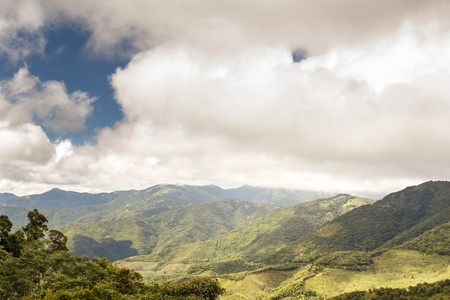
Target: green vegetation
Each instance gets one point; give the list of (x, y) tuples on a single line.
[(438, 219), (369, 227), (6, 196), (436, 240), (219, 268), (393, 269), (63, 207), (34, 266), (342, 246), (58, 198), (436, 290), (161, 232), (265, 235), (347, 260)]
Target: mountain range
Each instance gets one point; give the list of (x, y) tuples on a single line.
[(260, 243), (399, 241), (64, 207)]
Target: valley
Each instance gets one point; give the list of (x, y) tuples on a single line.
[(259, 243)]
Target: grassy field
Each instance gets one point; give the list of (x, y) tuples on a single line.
[(395, 268)]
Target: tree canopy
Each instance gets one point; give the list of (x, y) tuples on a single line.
[(35, 264)]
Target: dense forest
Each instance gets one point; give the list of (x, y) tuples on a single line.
[(36, 264), (436, 290), (343, 245)]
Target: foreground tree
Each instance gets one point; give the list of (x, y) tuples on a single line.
[(44, 269), (36, 226), (10, 243)]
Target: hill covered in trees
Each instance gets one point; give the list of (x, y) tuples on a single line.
[(406, 214), (399, 241), (63, 207), (153, 232), (267, 234), (313, 250), (36, 265)]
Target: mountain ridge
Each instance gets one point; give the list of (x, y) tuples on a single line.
[(268, 233), (367, 228), (160, 232), (86, 207)]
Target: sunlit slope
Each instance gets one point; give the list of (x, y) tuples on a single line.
[(161, 232), (394, 269), (369, 227), (433, 241), (267, 234), (65, 207)]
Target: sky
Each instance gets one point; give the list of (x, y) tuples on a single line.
[(334, 95)]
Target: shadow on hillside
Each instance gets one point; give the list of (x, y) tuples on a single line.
[(111, 249)]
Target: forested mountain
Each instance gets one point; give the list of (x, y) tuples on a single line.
[(58, 198), (150, 232), (315, 250), (267, 234), (35, 264), (62, 207), (6, 196), (370, 227), (400, 241), (436, 240)]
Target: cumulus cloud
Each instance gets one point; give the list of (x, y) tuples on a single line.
[(25, 99), (20, 24), (258, 113), (212, 95), (218, 26), (29, 108)]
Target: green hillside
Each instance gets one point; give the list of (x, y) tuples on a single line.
[(278, 197), (438, 219), (58, 198), (436, 240), (36, 265), (268, 234), (62, 207), (161, 232), (18, 214), (400, 241), (6, 196), (391, 269), (369, 227)]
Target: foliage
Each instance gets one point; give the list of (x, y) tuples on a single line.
[(58, 198), (58, 241), (368, 227), (64, 207), (161, 232), (10, 243), (36, 226), (438, 219), (265, 235), (219, 268), (436, 290), (45, 270), (436, 240), (349, 260)]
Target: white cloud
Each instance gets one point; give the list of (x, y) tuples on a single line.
[(257, 118), (20, 25), (24, 99), (27, 108), (212, 95), (217, 26)]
